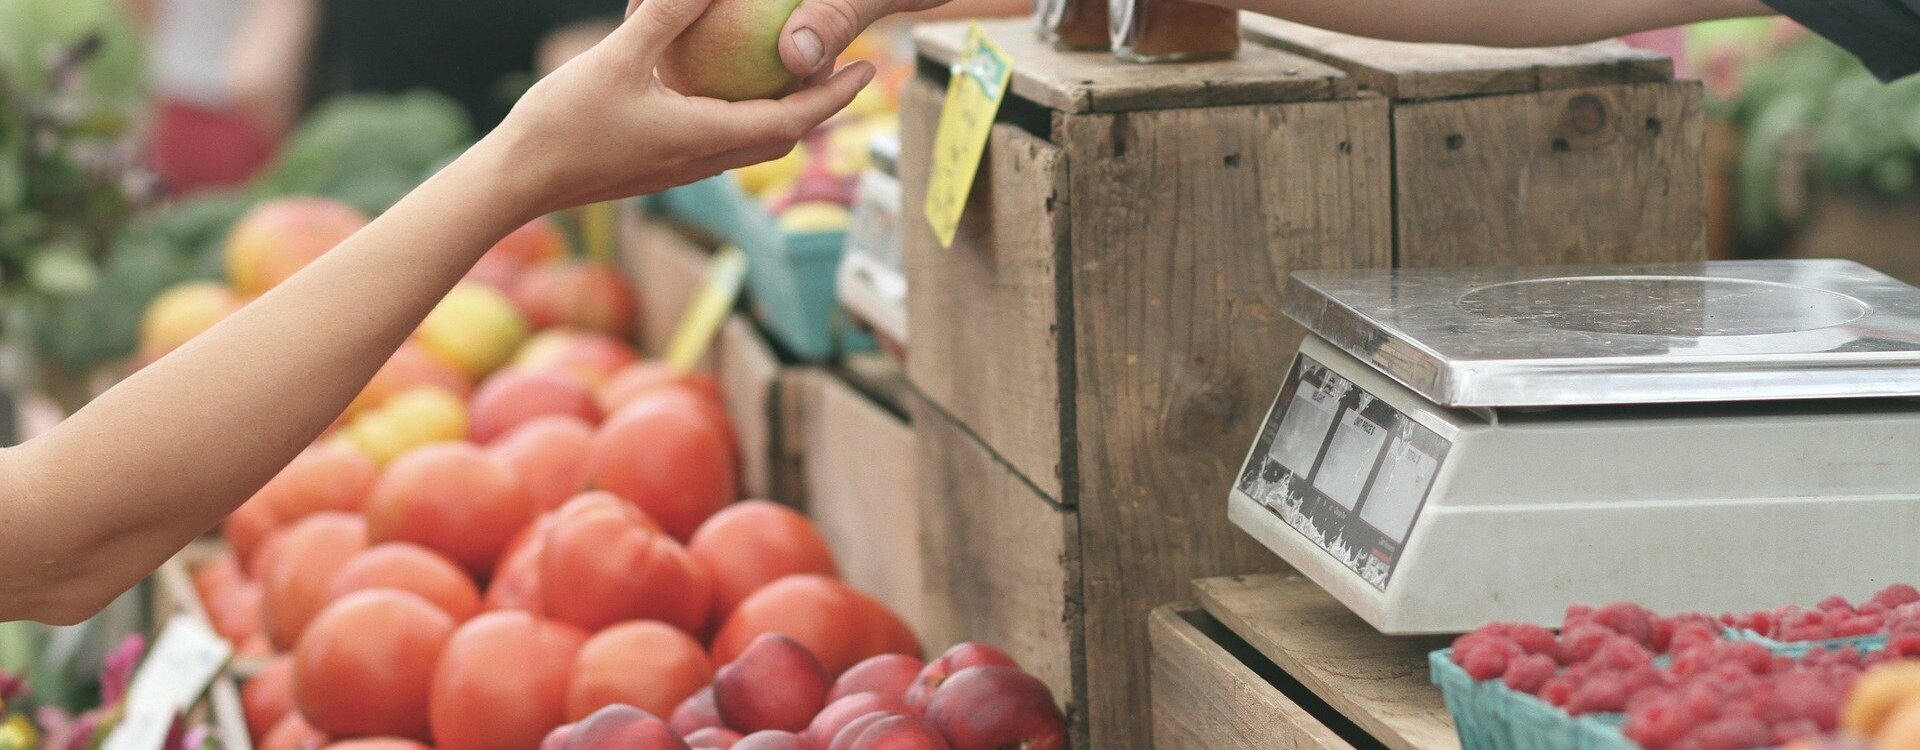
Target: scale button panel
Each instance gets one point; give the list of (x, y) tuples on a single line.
[(1343, 468)]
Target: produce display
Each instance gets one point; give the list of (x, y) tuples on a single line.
[(521, 533), (1697, 682)]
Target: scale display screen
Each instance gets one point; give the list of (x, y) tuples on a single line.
[(1343, 468)]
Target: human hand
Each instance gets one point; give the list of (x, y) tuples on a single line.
[(819, 30), (603, 126)]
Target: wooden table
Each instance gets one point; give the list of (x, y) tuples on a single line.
[(1273, 661)]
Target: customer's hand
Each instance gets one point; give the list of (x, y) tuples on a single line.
[(603, 127), (819, 30)]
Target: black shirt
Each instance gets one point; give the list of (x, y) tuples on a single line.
[(1884, 34), (480, 52)]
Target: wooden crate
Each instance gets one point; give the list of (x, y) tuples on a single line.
[(1104, 336), (856, 475), (1209, 694)]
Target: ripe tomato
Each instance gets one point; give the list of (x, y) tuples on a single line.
[(665, 454), (323, 477), (501, 683), (410, 568), (452, 498), (837, 623), (618, 567), (751, 544), (246, 531), (637, 379), (366, 664), (267, 696), (301, 571), (550, 455), (511, 398), (649, 665), (377, 743), (293, 733)]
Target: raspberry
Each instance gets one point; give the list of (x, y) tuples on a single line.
[(1902, 646), (1873, 608), (1579, 642), (1692, 635), (1784, 732), (1602, 693), (1834, 602), (1755, 657), (1628, 619), (1558, 690), (1488, 661), (1702, 703), (1529, 673), (1730, 733), (1575, 615), (1621, 654), (1534, 639), (1856, 625), (1802, 695), (1793, 633), (1897, 595), (1643, 678), (1658, 725), (1666, 627)]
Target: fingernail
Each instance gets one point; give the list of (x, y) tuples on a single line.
[(807, 44)]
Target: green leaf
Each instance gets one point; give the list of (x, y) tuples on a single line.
[(63, 271)]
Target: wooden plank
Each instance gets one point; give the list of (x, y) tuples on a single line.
[(880, 377), (858, 468), (1600, 175), (1000, 564), (1096, 82), (1405, 71), (747, 369), (994, 296), (1185, 223), (1379, 682), (1203, 697)]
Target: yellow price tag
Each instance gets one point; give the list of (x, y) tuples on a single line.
[(597, 228), (708, 310), (974, 93)]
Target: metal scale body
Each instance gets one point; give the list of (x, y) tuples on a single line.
[(1455, 446)]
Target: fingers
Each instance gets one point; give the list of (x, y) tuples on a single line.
[(652, 24), (819, 30), (804, 110)]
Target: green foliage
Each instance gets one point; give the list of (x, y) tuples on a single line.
[(368, 149)]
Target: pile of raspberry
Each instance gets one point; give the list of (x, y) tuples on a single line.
[(1710, 694), (1893, 611)]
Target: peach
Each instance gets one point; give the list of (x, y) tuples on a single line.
[(775, 684), (751, 544), (578, 295), (181, 313), (838, 623), (651, 666), (697, 712), (887, 674), (294, 583), (961, 656), (618, 567), (550, 455), (323, 477), (995, 707), (421, 416), (623, 728), (838, 714), (501, 682), (452, 498), (534, 242), (410, 367), (279, 237), (516, 397), (857, 728), (899, 732), (591, 358), (731, 52), (663, 453), (475, 329), (414, 569), (557, 739), (772, 739), (712, 738)]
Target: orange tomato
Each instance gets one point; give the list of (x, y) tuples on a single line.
[(366, 664), (749, 545), (515, 397), (293, 733), (323, 477), (575, 294), (550, 455), (516, 582), (837, 623), (589, 357), (665, 454), (639, 378), (217, 575), (246, 529), (267, 697), (452, 498), (410, 568), (409, 368), (617, 568), (377, 743), (301, 571), (235, 612), (502, 681), (649, 665)]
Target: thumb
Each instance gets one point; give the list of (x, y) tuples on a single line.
[(819, 30)]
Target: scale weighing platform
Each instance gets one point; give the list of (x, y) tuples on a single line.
[(1455, 446)]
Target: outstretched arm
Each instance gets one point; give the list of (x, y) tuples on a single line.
[(96, 504)]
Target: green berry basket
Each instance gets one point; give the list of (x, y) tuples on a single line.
[(1867, 644), (1488, 715)]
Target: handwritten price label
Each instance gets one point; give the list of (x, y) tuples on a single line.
[(974, 93)]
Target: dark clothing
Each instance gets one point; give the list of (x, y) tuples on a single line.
[(1884, 34), (480, 52)]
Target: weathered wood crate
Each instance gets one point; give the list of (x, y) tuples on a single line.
[(1272, 661), (1092, 356)]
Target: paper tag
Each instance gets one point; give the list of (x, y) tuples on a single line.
[(183, 662), (709, 309), (974, 93)]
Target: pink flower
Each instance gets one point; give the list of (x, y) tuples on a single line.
[(116, 675)]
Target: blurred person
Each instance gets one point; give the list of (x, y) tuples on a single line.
[(199, 140)]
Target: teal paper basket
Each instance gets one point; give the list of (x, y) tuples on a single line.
[(1490, 716)]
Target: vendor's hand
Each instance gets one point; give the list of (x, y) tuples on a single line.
[(603, 127), (819, 30)]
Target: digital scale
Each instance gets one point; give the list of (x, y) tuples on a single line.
[(1456, 446)]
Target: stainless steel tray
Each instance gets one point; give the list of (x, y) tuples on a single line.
[(1583, 335)]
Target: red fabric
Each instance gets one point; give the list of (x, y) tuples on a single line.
[(195, 148)]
